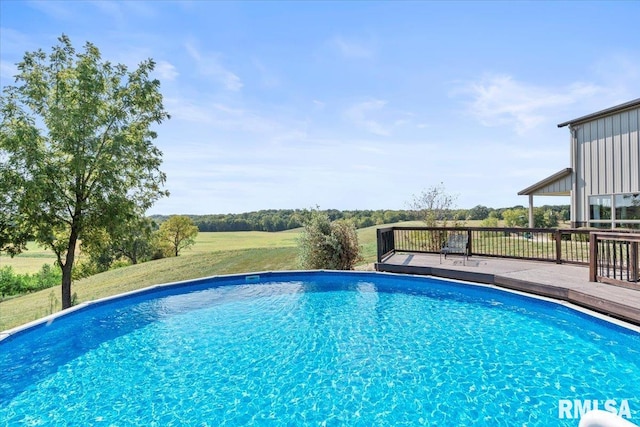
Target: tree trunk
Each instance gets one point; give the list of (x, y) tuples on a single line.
[(67, 268), (66, 285)]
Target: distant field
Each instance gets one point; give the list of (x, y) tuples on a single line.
[(32, 259), (231, 241), (29, 261)]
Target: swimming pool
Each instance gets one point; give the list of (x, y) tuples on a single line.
[(318, 348)]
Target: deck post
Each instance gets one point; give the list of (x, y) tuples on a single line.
[(380, 244), (633, 262), (593, 257), (558, 236)]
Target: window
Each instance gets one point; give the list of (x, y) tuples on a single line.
[(627, 206), (615, 211), (600, 208)]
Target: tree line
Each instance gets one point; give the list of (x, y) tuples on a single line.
[(272, 220)]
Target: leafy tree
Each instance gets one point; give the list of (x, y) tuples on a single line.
[(136, 240), (328, 245), (178, 233), (14, 230), (433, 204), (516, 217), (479, 212), (76, 150), (490, 221), (551, 218)]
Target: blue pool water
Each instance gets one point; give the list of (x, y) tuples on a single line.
[(290, 349)]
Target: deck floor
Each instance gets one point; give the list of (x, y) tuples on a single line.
[(560, 281)]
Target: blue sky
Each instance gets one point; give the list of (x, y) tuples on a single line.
[(354, 105)]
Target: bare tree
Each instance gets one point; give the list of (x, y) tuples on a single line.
[(433, 204)]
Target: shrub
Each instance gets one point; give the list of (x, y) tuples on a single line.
[(491, 222), (47, 277), (16, 284), (10, 283), (328, 245)]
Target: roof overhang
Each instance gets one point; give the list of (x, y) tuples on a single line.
[(602, 113), (543, 187)]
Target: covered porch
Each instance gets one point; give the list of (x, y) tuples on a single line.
[(559, 184)]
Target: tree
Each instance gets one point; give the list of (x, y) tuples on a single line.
[(131, 239), (479, 212), (136, 240), (490, 221), (178, 232), (76, 152), (328, 245), (516, 217), (433, 204)]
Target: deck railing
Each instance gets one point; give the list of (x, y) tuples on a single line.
[(615, 258), (612, 256), (539, 244)]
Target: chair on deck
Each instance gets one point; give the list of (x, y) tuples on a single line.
[(457, 243)]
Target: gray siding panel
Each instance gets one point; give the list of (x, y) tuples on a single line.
[(607, 158), (610, 156), (562, 186), (602, 184), (634, 170), (618, 161), (625, 152)]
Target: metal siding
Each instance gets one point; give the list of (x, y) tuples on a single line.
[(634, 169), (625, 153), (609, 156), (616, 150), (591, 174), (584, 157), (601, 160), (566, 184), (576, 165), (560, 186)]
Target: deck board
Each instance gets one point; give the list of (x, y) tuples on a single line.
[(560, 281)]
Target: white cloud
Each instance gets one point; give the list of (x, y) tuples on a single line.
[(56, 10), (8, 71), (352, 49), (620, 73), (267, 78), (359, 115), (223, 117), (209, 65), (166, 70), (500, 100)]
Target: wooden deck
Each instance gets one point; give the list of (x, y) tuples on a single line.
[(559, 281)]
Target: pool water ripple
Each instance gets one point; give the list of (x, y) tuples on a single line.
[(339, 350)]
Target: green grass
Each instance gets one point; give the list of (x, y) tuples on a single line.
[(238, 240), (213, 254)]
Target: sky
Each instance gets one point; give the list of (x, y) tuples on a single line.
[(353, 105)]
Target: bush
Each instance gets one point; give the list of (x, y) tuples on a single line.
[(47, 277), (16, 284), (10, 283), (328, 245)]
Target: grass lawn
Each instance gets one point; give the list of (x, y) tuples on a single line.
[(213, 254)]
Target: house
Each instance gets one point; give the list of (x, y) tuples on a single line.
[(604, 178)]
